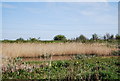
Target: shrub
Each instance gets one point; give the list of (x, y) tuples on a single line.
[(60, 37), (116, 53)]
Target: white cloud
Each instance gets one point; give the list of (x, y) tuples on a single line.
[(100, 13)]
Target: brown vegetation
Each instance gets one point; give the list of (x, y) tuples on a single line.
[(38, 49)]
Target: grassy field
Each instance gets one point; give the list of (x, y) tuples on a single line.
[(38, 49)]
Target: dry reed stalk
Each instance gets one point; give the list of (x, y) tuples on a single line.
[(38, 49)]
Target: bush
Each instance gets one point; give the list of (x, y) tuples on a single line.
[(81, 38), (116, 53), (82, 56), (60, 37)]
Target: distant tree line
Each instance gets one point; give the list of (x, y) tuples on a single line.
[(61, 38), (96, 38)]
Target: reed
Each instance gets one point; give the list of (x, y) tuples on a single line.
[(38, 49)]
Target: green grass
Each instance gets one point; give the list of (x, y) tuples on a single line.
[(93, 68)]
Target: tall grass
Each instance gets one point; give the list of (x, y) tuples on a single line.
[(38, 49)]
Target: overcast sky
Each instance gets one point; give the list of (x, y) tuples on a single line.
[(47, 19)]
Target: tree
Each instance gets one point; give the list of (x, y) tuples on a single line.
[(60, 37), (20, 40), (81, 38), (104, 37), (33, 39), (107, 36), (117, 37), (95, 36), (111, 37)]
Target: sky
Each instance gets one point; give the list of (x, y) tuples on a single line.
[(48, 19)]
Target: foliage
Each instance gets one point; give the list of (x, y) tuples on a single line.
[(95, 37), (82, 56), (94, 68), (33, 39), (116, 53), (20, 40), (107, 38), (60, 37), (117, 37), (81, 38)]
